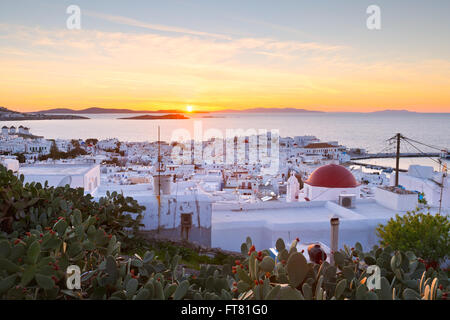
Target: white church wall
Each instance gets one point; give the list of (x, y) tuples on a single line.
[(326, 194)]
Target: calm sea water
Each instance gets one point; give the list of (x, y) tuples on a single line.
[(369, 131)]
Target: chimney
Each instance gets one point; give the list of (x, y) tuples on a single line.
[(334, 222)]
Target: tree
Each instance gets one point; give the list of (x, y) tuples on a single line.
[(75, 143), (54, 151), (427, 235), (20, 157), (55, 154), (92, 141)]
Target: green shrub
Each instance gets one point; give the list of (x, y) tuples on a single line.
[(425, 234)]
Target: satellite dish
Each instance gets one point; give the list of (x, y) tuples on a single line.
[(66, 180)]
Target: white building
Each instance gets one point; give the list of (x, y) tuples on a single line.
[(13, 145), (434, 185), (177, 215), (9, 163), (107, 144), (58, 175), (63, 145), (40, 146), (324, 149), (265, 222), (302, 141)]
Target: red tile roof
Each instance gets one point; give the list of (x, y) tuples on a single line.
[(319, 145)]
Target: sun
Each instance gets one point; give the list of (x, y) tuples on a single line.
[(189, 108)]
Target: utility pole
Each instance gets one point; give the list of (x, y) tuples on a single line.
[(444, 174), (158, 195), (159, 162), (397, 159)]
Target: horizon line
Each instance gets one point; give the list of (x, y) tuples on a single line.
[(229, 110)]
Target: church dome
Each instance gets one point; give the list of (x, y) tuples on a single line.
[(332, 176)]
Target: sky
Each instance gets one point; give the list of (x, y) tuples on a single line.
[(213, 55)]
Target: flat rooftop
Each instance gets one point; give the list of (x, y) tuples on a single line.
[(56, 169), (292, 215), (373, 210), (274, 217)]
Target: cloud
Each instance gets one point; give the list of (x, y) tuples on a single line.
[(186, 48), (150, 26), (91, 67)]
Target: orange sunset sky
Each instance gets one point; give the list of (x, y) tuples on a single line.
[(158, 55)]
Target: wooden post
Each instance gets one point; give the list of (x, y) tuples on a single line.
[(397, 159), (158, 194), (444, 174), (334, 222)]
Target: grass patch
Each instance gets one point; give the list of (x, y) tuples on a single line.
[(189, 257)]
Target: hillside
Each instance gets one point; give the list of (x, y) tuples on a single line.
[(10, 115), (163, 117), (95, 110)]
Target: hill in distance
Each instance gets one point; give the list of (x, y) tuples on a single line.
[(389, 111), (112, 110), (270, 110), (108, 110), (10, 115), (95, 110)]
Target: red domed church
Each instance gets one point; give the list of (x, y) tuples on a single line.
[(329, 182)]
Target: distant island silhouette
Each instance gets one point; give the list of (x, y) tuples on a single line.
[(57, 113), (109, 110), (96, 110), (389, 111), (272, 110), (163, 117), (10, 115)]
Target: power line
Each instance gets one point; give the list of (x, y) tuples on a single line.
[(388, 148), (427, 145), (417, 171), (406, 140)]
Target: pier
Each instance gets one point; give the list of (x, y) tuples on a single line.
[(373, 166), (393, 155)]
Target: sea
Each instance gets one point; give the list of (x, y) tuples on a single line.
[(370, 131)]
